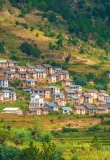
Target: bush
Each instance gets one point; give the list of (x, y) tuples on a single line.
[(80, 79), (32, 28), (24, 25), (1, 48), (94, 128), (9, 153), (67, 130), (52, 17), (30, 49)]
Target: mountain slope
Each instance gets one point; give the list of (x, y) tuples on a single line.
[(55, 36)]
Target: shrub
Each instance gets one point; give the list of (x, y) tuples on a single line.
[(16, 22), (67, 130), (32, 28), (24, 25), (30, 49), (52, 17), (94, 128), (1, 48)]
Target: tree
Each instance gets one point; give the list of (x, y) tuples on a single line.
[(95, 143), (52, 17), (5, 135), (50, 152), (46, 137), (31, 153), (38, 128), (80, 79), (67, 58), (1, 4), (1, 48), (9, 153), (30, 49)]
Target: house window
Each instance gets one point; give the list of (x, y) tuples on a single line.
[(91, 111)]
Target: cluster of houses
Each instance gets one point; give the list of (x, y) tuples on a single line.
[(44, 100)]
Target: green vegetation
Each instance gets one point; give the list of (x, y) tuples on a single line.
[(37, 140), (1, 48), (77, 20), (30, 49)]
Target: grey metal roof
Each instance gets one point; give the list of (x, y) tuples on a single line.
[(30, 80), (6, 91), (73, 85), (66, 108), (51, 104), (40, 89), (70, 92), (40, 70)]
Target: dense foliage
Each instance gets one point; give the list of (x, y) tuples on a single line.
[(30, 49), (1, 47), (89, 21)]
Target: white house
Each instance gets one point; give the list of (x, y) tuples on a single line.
[(36, 101)]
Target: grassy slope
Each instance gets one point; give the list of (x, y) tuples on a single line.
[(13, 35)]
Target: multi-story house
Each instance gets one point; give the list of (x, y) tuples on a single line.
[(4, 82), (8, 95), (12, 63), (28, 83), (74, 87), (36, 101), (42, 92), (3, 64), (54, 89), (41, 74), (79, 110), (66, 82), (48, 68)]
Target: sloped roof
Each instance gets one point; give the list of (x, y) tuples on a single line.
[(52, 87), (58, 69), (79, 107), (74, 97), (3, 61), (58, 94), (70, 92), (51, 104), (66, 108), (6, 91), (89, 106), (40, 89), (67, 80), (47, 65), (30, 80), (73, 85), (10, 109), (39, 70)]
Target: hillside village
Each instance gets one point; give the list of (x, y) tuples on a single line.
[(67, 98)]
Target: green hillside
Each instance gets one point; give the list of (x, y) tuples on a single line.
[(73, 33)]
